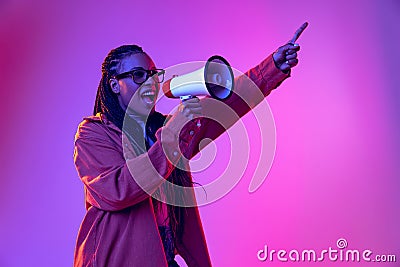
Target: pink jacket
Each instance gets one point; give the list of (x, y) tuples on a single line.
[(119, 228)]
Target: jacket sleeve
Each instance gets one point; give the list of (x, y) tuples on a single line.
[(249, 90), (111, 182)]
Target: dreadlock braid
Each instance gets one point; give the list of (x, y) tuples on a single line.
[(107, 103), (106, 100)]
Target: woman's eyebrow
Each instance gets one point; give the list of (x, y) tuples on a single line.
[(141, 68), (136, 68)]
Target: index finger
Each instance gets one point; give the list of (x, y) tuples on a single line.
[(298, 32)]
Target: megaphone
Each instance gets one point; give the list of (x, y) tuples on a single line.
[(215, 79)]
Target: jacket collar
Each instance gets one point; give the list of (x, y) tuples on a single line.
[(100, 117)]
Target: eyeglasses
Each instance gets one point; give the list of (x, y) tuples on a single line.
[(139, 76)]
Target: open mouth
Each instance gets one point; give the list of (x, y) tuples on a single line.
[(148, 97)]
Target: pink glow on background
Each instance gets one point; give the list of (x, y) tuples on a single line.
[(336, 170)]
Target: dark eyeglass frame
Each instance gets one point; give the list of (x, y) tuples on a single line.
[(149, 73)]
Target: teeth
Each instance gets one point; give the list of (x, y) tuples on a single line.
[(148, 94)]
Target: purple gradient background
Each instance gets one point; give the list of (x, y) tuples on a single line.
[(336, 171)]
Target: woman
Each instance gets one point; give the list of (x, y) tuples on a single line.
[(124, 225)]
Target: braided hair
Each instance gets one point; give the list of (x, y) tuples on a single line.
[(107, 103)]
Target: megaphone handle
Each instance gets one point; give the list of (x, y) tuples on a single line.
[(187, 97)]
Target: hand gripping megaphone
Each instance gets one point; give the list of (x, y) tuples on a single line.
[(215, 79)]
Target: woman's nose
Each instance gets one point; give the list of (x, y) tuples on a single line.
[(151, 80)]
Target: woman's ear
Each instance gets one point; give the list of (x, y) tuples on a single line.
[(114, 85)]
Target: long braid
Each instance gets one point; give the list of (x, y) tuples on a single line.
[(108, 104)]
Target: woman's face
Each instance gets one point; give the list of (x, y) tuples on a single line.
[(140, 98)]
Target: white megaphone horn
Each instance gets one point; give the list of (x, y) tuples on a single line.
[(215, 79)]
